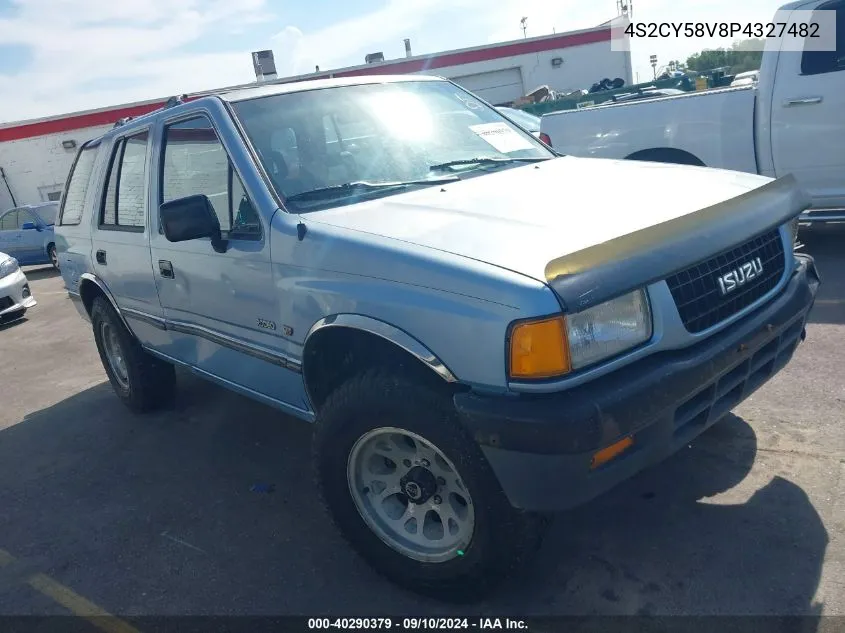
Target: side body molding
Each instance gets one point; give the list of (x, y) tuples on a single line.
[(388, 332), (220, 338)]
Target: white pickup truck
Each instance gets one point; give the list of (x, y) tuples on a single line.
[(792, 121)]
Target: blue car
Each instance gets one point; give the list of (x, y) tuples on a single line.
[(26, 233)]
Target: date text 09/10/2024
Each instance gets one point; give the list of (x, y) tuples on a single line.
[(415, 624)]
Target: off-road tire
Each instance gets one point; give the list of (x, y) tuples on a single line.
[(152, 382), (503, 538)]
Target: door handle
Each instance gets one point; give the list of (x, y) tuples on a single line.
[(802, 101), (165, 268), (101, 257)]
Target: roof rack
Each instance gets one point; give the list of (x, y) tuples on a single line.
[(170, 103), (175, 101)]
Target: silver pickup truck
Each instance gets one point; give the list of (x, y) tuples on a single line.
[(391, 259)]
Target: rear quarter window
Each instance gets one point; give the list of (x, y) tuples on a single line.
[(76, 192)]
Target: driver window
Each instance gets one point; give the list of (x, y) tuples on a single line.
[(817, 62), (195, 162)]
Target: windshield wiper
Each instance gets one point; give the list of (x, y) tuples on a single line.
[(484, 160), (364, 186)]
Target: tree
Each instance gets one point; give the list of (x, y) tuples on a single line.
[(741, 56)]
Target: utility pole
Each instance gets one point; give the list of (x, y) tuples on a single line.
[(8, 188), (653, 61), (524, 27)]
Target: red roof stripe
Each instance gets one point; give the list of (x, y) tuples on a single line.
[(479, 55), (76, 122)]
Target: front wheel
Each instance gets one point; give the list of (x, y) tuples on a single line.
[(412, 493)]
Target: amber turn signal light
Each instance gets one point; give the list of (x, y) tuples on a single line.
[(539, 349), (611, 452)]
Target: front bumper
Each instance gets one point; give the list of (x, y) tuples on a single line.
[(15, 295), (541, 446)]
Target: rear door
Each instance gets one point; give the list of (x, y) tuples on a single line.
[(808, 117), (121, 235)]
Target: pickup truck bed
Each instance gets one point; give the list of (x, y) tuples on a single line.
[(718, 123)]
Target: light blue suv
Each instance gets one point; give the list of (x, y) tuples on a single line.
[(476, 336), (26, 233)]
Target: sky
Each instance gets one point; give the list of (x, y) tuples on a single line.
[(59, 56)]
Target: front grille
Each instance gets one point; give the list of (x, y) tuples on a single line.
[(732, 387), (697, 293), (6, 302)]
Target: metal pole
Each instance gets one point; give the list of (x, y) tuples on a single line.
[(11, 195)]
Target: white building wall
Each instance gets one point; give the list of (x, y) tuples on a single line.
[(39, 165), (582, 66)]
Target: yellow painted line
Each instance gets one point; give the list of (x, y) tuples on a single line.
[(6, 558), (78, 605)]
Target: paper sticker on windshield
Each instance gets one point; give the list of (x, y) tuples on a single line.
[(501, 136)]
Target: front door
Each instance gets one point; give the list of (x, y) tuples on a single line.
[(221, 308), (808, 117), (33, 250), (24, 244)]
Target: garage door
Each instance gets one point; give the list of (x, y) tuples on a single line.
[(497, 86)]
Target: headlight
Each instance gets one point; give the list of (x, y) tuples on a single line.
[(8, 266), (608, 329), (554, 346)]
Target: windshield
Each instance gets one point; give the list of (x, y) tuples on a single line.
[(320, 146), (47, 213), (525, 119)]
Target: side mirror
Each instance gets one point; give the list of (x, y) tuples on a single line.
[(29, 226), (191, 218)]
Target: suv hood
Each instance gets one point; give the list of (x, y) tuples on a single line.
[(531, 218)]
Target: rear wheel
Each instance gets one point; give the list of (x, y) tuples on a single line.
[(667, 155), (412, 493), (140, 380), (54, 256)]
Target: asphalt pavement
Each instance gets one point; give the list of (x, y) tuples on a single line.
[(160, 514)]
